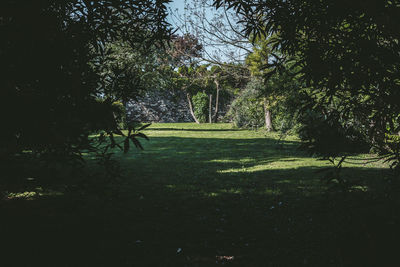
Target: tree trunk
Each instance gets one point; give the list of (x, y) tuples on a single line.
[(125, 115), (216, 101), (268, 116), (210, 110), (191, 108)]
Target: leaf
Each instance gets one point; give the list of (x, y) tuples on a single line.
[(143, 127), (119, 132), (142, 135), (136, 143), (113, 143), (101, 137)]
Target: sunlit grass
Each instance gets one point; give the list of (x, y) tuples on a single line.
[(214, 157), (208, 190)]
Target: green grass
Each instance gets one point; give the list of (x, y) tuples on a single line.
[(213, 159), (198, 193)]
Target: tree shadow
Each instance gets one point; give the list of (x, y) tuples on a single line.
[(196, 130), (190, 201)]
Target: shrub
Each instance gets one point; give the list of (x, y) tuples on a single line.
[(247, 109), (200, 106), (119, 111)]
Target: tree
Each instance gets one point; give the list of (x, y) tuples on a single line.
[(217, 30), (347, 55), (224, 82), (50, 62), (224, 46), (246, 109), (125, 73), (183, 52), (186, 81), (280, 87), (256, 61)]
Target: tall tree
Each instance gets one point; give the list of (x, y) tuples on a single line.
[(183, 53), (256, 62)]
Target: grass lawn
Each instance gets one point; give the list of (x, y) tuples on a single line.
[(203, 195)]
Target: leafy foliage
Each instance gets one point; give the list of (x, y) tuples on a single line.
[(184, 49), (247, 109), (50, 63), (119, 112), (200, 103), (346, 53), (125, 73)]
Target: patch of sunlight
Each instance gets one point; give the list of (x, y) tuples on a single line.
[(242, 160), (237, 191), (212, 194), (275, 165), (232, 191), (224, 161), (170, 186), (283, 182), (30, 195), (361, 188), (270, 191), (22, 195)]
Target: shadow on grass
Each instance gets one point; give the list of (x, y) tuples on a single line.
[(236, 148), (196, 130), (190, 201)]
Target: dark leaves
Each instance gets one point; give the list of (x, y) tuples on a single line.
[(143, 127), (126, 145), (347, 54), (136, 142), (142, 136), (52, 71)]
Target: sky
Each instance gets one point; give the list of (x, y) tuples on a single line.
[(179, 4), (176, 4)]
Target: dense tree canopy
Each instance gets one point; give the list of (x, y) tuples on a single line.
[(347, 53), (50, 64)]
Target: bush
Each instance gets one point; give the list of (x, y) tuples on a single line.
[(325, 134), (200, 106), (119, 111), (283, 99), (285, 114), (247, 109)]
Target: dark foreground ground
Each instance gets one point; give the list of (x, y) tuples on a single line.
[(200, 195)]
